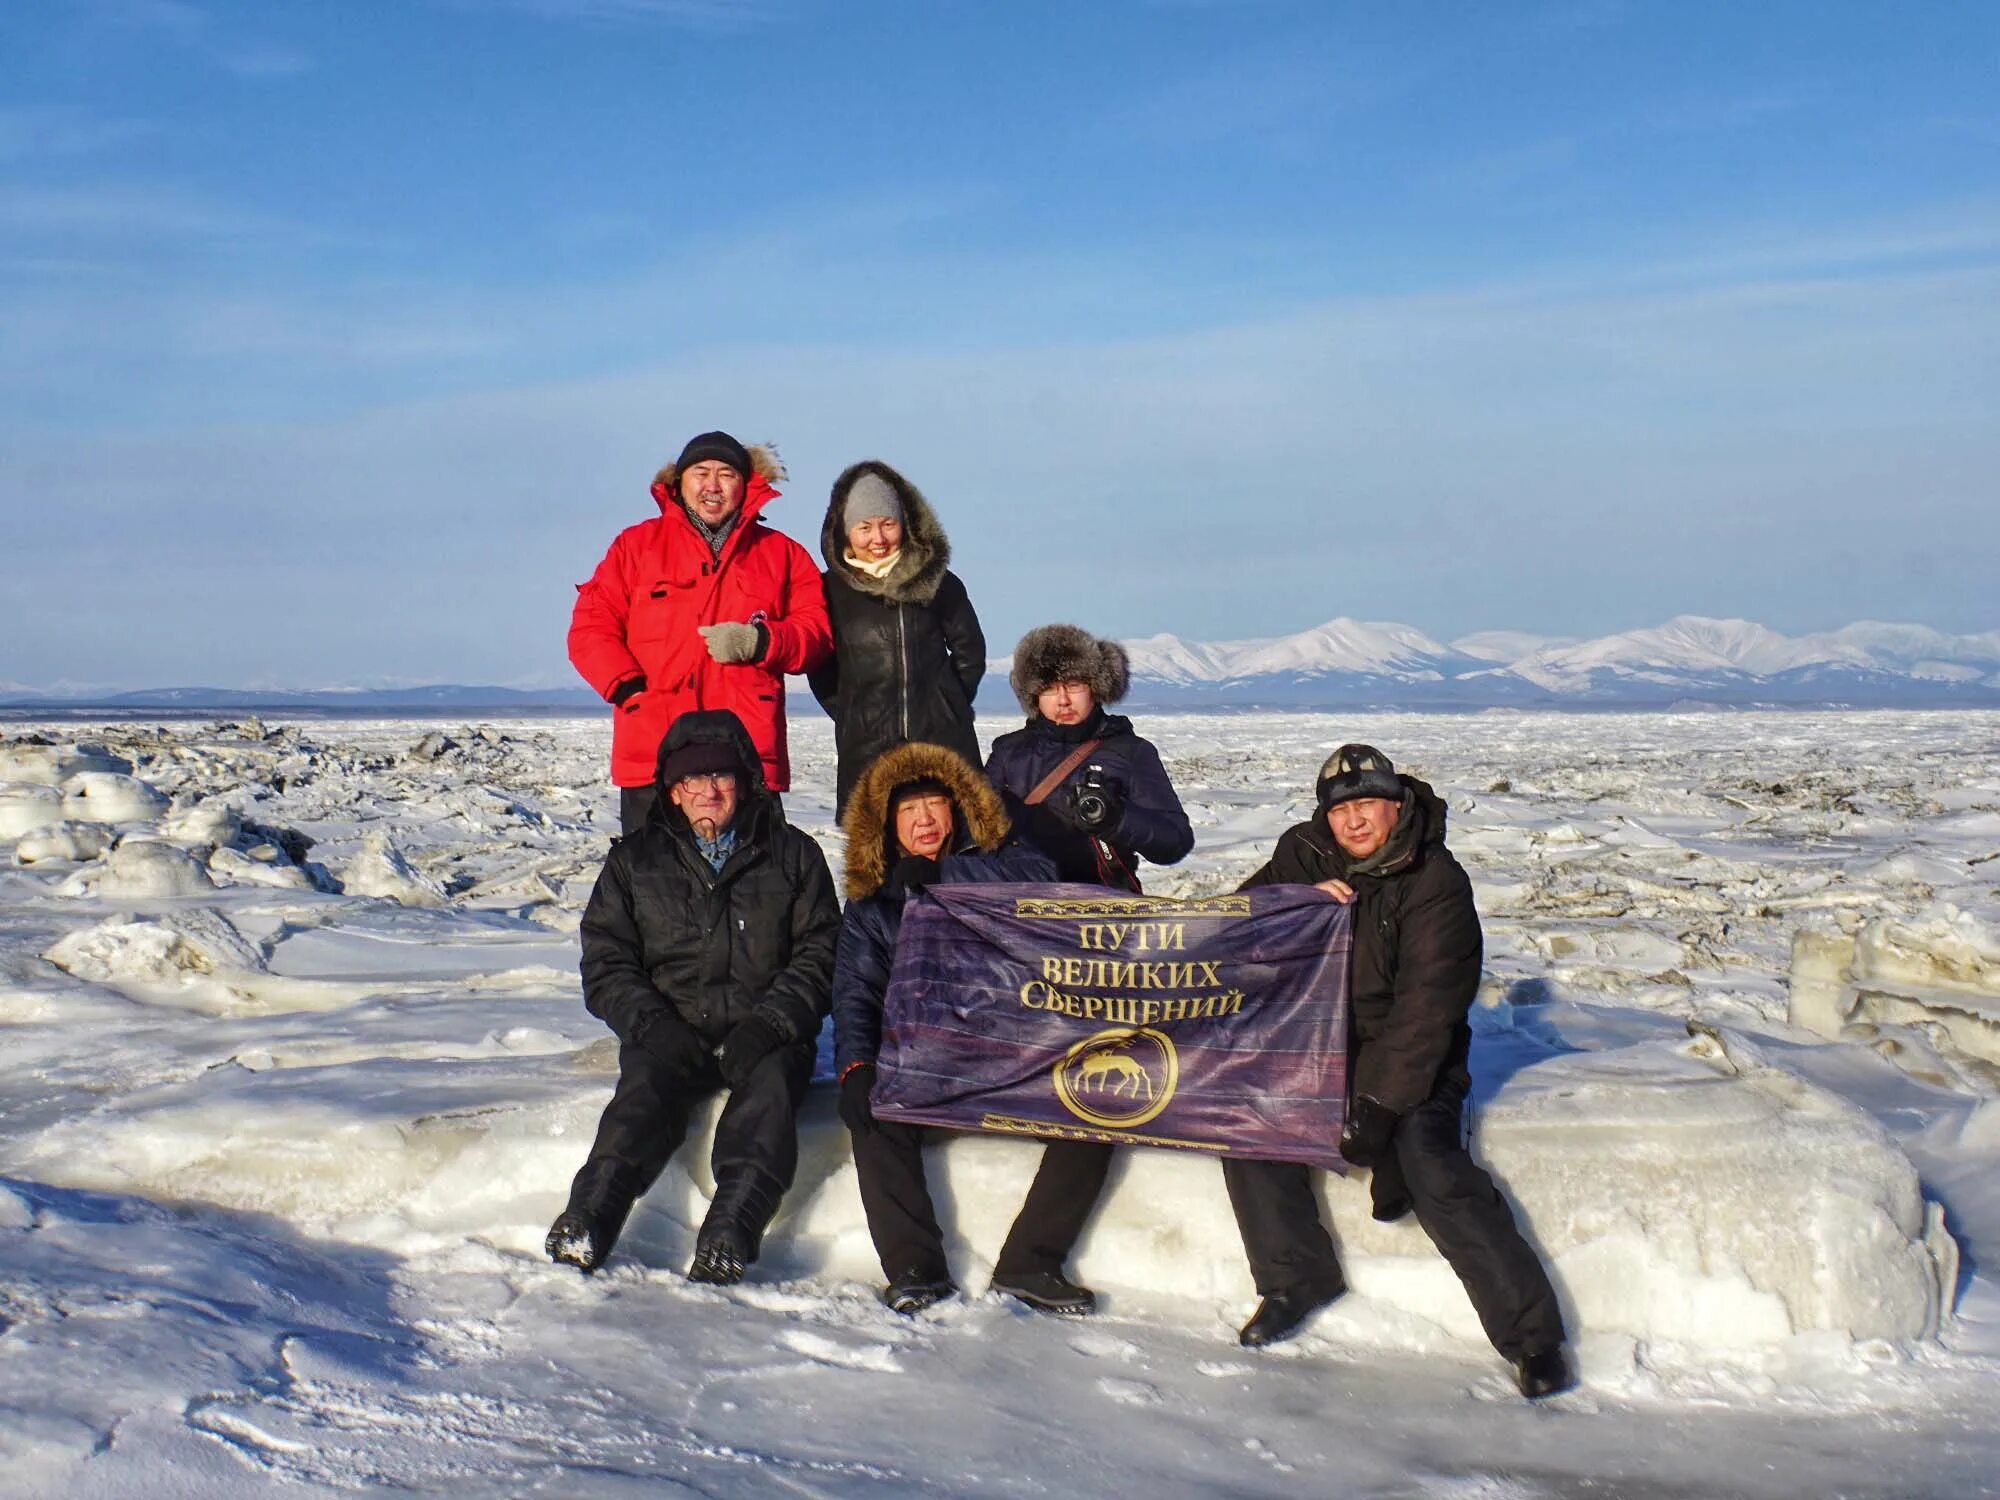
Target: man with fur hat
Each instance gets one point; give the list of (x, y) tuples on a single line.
[(920, 815), (908, 653), (702, 607), (708, 949), (1377, 842), (1094, 796)]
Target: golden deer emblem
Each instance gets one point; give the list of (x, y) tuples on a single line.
[(1097, 1071)]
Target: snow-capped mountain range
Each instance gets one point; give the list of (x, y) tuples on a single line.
[(1345, 664), (1689, 659)]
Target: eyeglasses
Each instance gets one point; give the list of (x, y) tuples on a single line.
[(708, 781)]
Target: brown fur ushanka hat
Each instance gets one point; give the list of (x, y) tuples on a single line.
[(1068, 653)]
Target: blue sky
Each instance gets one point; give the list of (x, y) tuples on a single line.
[(338, 337)]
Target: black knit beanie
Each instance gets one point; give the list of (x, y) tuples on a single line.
[(1356, 771), (719, 446)]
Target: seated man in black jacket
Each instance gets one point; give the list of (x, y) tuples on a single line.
[(1378, 842), (919, 815), (708, 949)]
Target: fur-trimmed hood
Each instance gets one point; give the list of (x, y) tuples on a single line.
[(979, 818), (926, 549), (1068, 653), (767, 471)]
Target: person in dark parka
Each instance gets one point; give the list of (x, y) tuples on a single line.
[(708, 948), (1115, 807), (908, 651), (1377, 842), (920, 815)]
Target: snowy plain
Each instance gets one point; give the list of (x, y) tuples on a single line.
[(281, 1127)]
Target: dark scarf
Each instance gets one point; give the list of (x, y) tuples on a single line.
[(715, 536), (1092, 727), (1400, 847)]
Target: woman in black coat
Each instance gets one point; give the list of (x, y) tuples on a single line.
[(908, 652), (920, 816), (1112, 808)]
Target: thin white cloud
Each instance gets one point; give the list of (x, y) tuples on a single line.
[(59, 132), (702, 15)]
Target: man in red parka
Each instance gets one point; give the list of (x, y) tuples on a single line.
[(703, 607)]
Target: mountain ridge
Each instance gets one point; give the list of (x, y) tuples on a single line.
[(1346, 663)]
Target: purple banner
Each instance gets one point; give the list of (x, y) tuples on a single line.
[(1075, 1013)]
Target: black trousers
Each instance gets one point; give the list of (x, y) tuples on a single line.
[(1455, 1202), (889, 1164), (1058, 1205), (756, 1150), (635, 805)]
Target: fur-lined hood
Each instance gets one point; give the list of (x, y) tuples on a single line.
[(767, 471), (1067, 653), (926, 549), (979, 817)]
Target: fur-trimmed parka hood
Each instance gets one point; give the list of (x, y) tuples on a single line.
[(926, 549), (978, 816), (1068, 653), (767, 471)]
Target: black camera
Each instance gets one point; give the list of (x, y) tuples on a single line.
[(1093, 798)]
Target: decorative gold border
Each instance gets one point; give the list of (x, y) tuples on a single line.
[(1104, 1038), (1142, 907)]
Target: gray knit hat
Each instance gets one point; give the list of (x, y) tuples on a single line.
[(870, 496)]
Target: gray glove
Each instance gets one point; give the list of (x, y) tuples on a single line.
[(731, 643)]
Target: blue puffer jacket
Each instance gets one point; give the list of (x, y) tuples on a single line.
[(982, 849), (1152, 825)]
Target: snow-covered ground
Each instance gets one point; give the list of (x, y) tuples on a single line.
[(297, 1070)]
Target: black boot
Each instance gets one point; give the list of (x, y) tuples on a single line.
[(1544, 1372), (718, 1261), (1281, 1314), (600, 1199), (732, 1232), (1047, 1291), (913, 1293)]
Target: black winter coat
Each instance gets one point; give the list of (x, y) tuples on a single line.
[(1152, 825), (663, 932), (1416, 950), (908, 653)]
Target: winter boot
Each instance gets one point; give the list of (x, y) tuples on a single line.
[(600, 1199), (1047, 1291), (1282, 1314), (1544, 1372), (732, 1232), (912, 1293)]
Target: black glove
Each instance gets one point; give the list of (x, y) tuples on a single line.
[(855, 1086), (677, 1045), (627, 690), (749, 1042), (1099, 807), (912, 873), (1364, 1139)]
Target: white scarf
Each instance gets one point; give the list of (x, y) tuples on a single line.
[(875, 570)]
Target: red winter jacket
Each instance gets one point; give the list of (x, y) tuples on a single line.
[(637, 617)]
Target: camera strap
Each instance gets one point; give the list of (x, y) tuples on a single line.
[(1061, 773)]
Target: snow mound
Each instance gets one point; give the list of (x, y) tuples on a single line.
[(157, 949), (1922, 990), (381, 869), (111, 797), (205, 825), (26, 806), (67, 840), (140, 869), (1685, 1195), (244, 867), (52, 765), (1694, 1193)]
